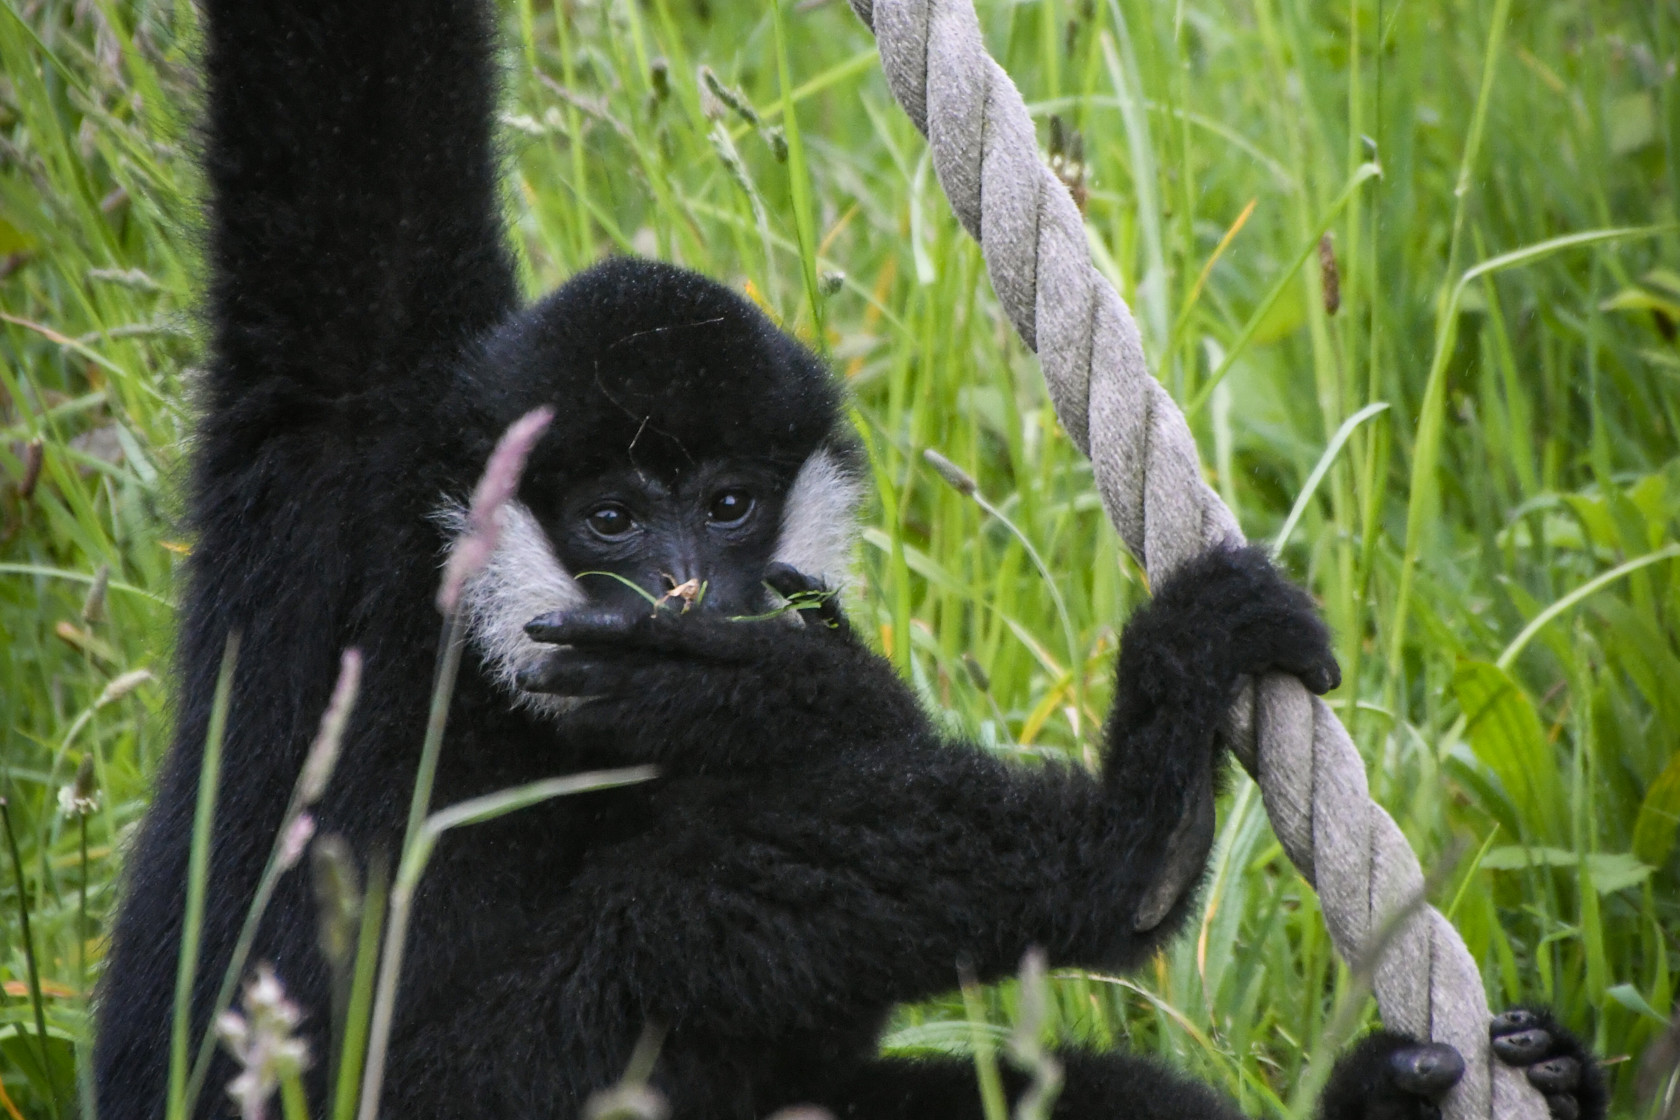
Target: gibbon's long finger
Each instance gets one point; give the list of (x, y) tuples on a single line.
[(584, 626), (1554, 1060), (695, 636), (587, 627), (663, 630), (1512, 1021), (1321, 678)]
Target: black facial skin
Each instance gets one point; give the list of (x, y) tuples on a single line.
[(711, 533)]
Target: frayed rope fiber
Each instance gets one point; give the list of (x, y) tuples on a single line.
[(985, 151)]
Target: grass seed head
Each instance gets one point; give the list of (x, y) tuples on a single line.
[(323, 753), (500, 481), (338, 897), (298, 835), (262, 1042), (1329, 276), (93, 607), (81, 798), (122, 686), (958, 479)]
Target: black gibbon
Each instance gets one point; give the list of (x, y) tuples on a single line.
[(814, 850)]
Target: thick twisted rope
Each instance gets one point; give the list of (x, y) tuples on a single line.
[(1370, 887)]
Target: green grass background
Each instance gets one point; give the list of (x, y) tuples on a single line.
[(1527, 445)]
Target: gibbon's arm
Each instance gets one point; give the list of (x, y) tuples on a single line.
[(819, 846), (354, 220), (701, 693)]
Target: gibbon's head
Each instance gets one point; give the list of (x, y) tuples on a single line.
[(692, 440)]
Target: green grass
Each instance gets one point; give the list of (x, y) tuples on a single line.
[(1530, 444)]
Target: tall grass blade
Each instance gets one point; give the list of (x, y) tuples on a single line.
[(799, 178), (1321, 468), (37, 1001), (311, 780), (1308, 249), (352, 1051), (416, 854), (1426, 451), (198, 875)]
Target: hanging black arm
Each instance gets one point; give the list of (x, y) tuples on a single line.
[(354, 222)]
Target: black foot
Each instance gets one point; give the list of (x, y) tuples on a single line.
[(1391, 1076), (1555, 1061)]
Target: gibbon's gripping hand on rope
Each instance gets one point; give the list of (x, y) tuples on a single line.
[(1390, 1076), (1223, 615)]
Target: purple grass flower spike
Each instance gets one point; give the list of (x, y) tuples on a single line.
[(263, 1042), (472, 550), (323, 753), (297, 837)]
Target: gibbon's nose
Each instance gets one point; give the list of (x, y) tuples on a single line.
[(686, 580)]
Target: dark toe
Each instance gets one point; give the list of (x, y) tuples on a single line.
[(1555, 1075), (1522, 1048), (1563, 1106), (1428, 1070), (1514, 1020)]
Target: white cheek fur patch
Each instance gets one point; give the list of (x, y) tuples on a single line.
[(819, 520), (524, 577), (522, 580)]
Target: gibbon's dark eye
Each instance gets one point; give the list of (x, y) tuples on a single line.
[(730, 506), (610, 520)]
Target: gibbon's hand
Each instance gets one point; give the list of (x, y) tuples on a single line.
[(816, 603), (1225, 613), (606, 651), (1269, 624), (703, 690)]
